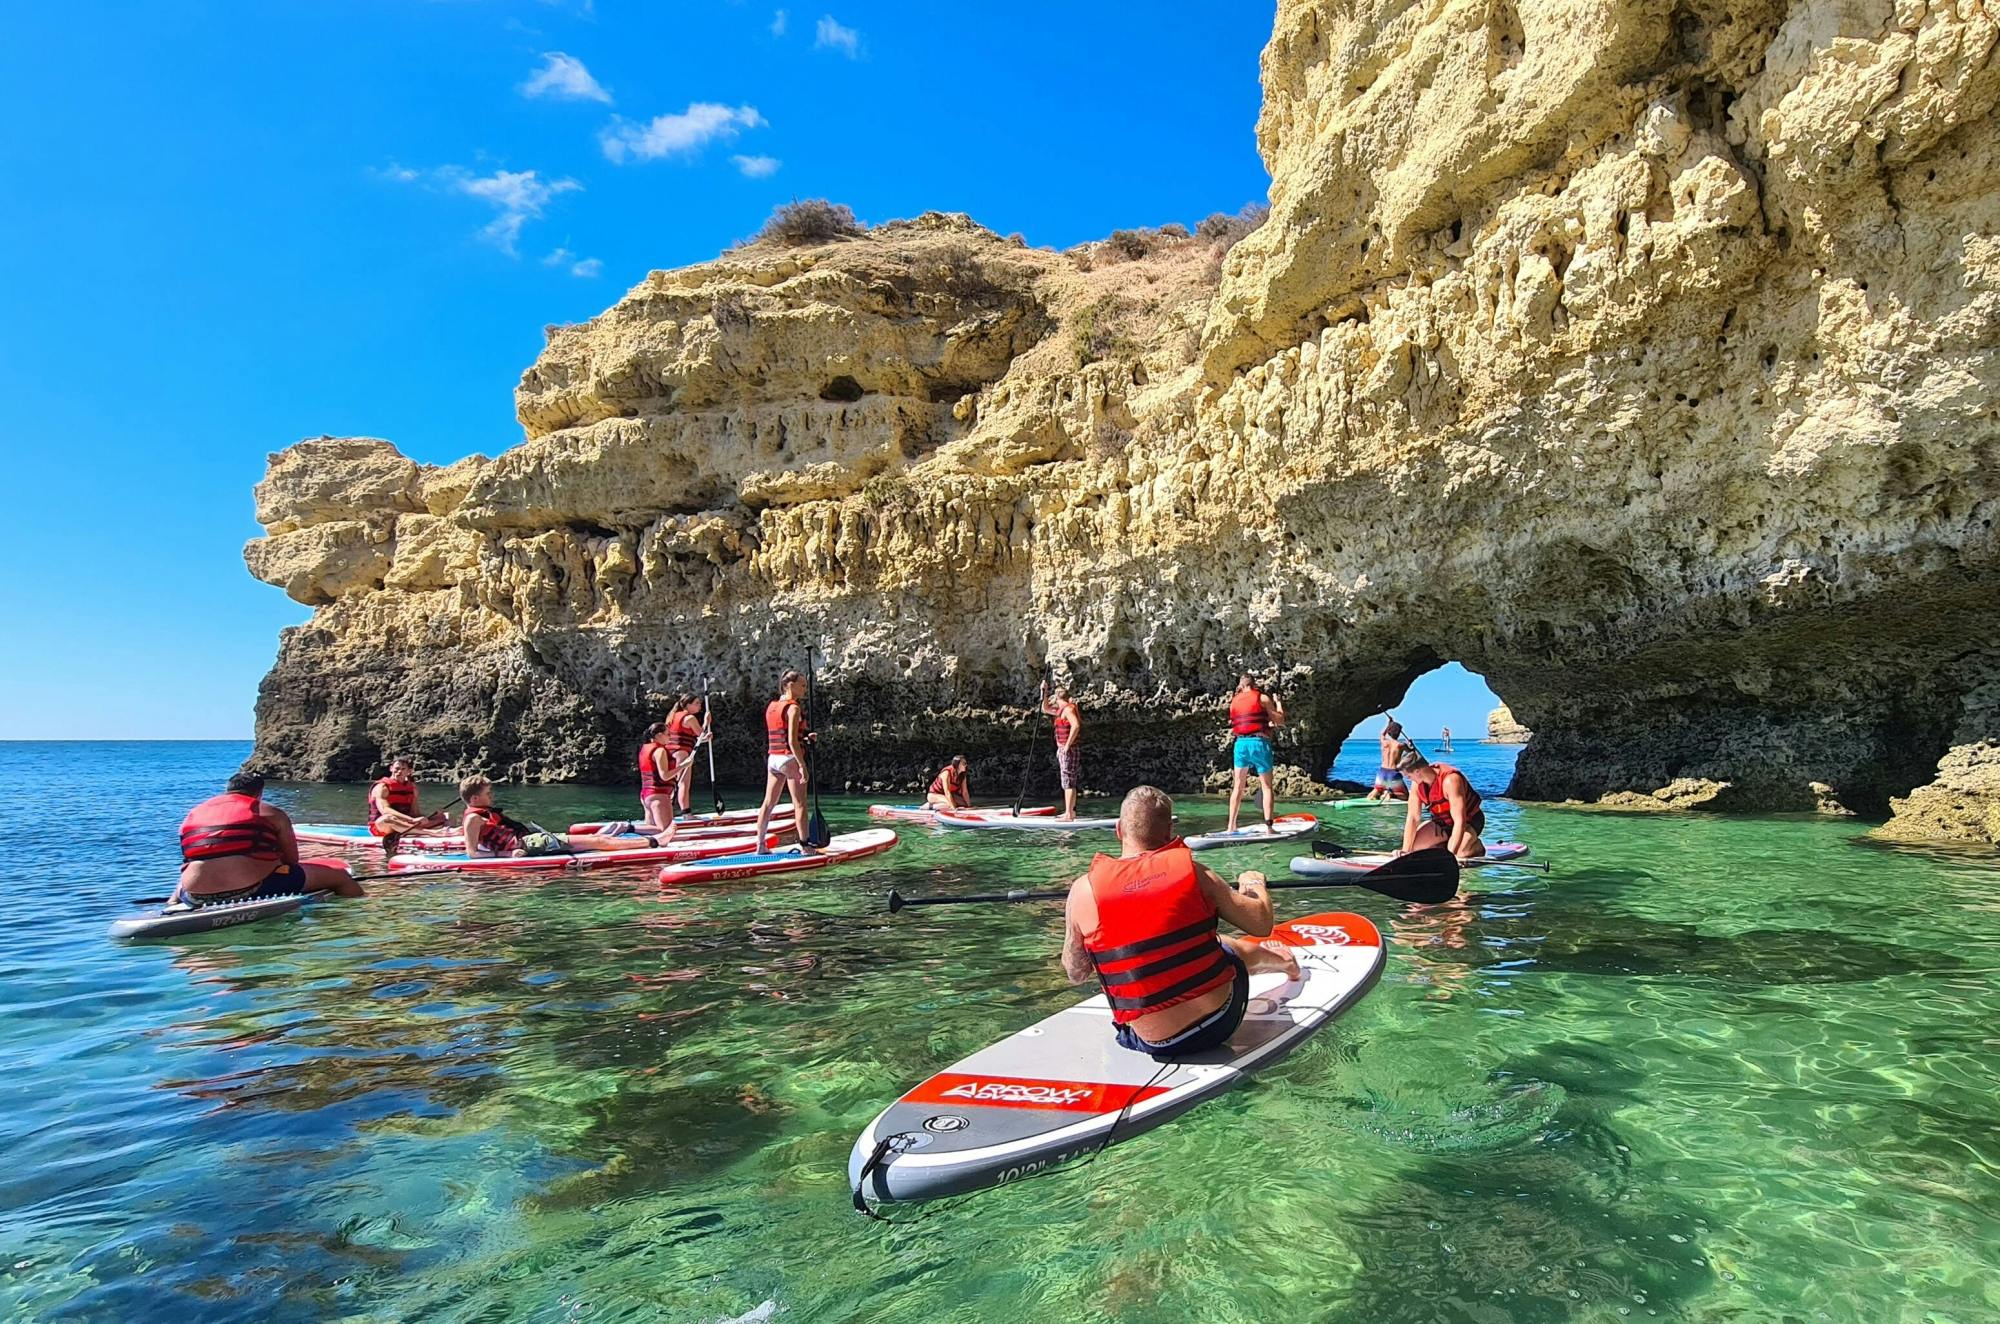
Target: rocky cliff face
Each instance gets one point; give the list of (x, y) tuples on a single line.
[(1502, 729), (1640, 356)]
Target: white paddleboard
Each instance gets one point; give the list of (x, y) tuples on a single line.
[(1285, 827), (1500, 852), (1025, 823), (177, 920), (1062, 1088), (926, 814)]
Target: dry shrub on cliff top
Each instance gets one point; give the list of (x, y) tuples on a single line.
[(1227, 230), (809, 221)]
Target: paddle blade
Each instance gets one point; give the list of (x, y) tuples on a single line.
[(817, 833), (1425, 877), (896, 902), (1327, 850)]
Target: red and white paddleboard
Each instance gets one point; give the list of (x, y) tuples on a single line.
[(1062, 1088), (847, 846), (1285, 827), (925, 814), (954, 818), (688, 822), (357, 834), (673, 852)]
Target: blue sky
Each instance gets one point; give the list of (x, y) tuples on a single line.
[(231, 225)]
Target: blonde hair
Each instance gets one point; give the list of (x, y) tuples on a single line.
[(472, 786), (1148, 817)]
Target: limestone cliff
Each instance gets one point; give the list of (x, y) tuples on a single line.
[(1639, 356), (1502, 729)]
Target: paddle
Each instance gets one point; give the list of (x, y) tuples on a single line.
[(1028, 764), (817, 833), (1425, 877), (708, 729)]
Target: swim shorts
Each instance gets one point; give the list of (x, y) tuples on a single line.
[(285, 880), (1387, 778), (1254, 754), (788, 767), (1069, 767), (1211, 1031)]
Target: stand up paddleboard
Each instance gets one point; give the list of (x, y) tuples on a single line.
[(671, 853), (357, 834), (1500, 852), (1285, 827), (1356, 801), (727, 818), (1062, 1088), (177, 920), (949, 818), (926, 814), (847, 846)]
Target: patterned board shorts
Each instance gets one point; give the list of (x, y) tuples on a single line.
[(1068, 766)]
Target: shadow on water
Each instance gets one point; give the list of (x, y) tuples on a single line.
[(1565, 932)]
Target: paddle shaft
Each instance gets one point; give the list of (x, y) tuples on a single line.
[(817, 833), (708, 726), (897, 901), (1028, 763)]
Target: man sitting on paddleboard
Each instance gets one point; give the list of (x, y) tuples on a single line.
[(1390, 783), (1456, 817), (234, 847), (1252, 714), (392, 806), (1068, 726), (1145, 924), (488, 832), (951, 788), (785, 735)]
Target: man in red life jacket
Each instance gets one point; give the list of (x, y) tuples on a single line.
[(656, 780), (235, 847), (1252, 714), (951, 788), (489, 832), (1456, 816), (785, 737), (1068, 726), (1145, 924), (392, 806), (685, 731)]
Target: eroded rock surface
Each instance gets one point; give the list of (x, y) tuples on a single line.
[(1502, 729), (1639, 356)]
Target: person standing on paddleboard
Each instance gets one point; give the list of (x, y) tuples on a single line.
[(1252, 714), (1068, 726), (234, 847), (685, 732), (1389, 783), (952, 787), (392, 806), (1144, 922), (785, 734), (1456, 815)]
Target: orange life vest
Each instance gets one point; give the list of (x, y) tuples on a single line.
[(948, 781), (402, 797), (1062, 723), (650, 784), (1246, 714), (1154, 944), (1437, 804), (681, 732), (496, 838), (226, 825), (777, 734)]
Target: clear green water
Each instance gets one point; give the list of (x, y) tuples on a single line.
[(1713, 1070)]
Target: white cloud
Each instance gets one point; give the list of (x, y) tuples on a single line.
[(757, 167), (586, 268), (833, 35), (702, 123), (779, 22), (399, 174), (518, 196), (563, 78)]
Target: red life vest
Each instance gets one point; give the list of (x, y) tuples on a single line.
[(1437, 804), (402, 797), (1154, 944), (226, 825), (1062, 723), (948, 782), (777, 736), (681, 732), (650, 784), (1246, 714), (496, 838)]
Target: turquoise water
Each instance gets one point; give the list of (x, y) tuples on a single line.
[(1706, 1070)]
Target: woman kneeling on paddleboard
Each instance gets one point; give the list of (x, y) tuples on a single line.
[(1144, 923), (234, 847), (951, 788), (1440, 790)]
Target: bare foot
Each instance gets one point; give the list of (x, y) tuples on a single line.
[(1286, 961)]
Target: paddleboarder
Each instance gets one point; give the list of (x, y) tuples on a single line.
[(489, 832), (1456, 816), (1444, 738), (785, 734), (1390, 783), (393, 808), (686, 730), (951, 788), (1068, 723), (235, 847), (1252, 714), (656, 782), (1144, 922)]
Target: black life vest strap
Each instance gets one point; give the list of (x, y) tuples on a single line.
[(1217, 964), (1132, 949)]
